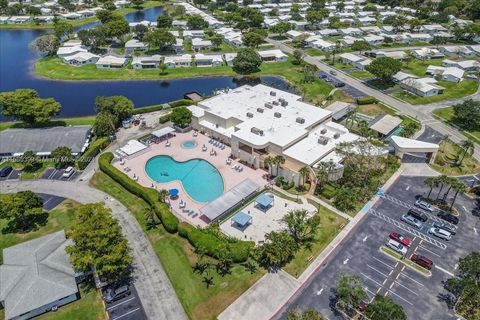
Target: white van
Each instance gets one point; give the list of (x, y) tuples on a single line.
[(68, 172)]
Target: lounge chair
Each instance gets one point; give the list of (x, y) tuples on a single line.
[(229, 161), (234, 166), (204, 148), (240, 169), (195, 215), (168, 144), (223, 147)]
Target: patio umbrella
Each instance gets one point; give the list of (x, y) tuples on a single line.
[(173, 192)]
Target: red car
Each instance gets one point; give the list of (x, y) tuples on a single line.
[(400, 238), (422, 260)]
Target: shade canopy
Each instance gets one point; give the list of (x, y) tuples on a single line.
[(264, 200), (163, 132), (242, 219), (173, 192)]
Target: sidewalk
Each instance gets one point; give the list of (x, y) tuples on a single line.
[(274, 290)]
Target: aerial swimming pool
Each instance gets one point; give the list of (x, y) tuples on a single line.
[(200, 179)]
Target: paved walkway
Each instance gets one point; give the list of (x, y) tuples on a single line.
[(154, 288)]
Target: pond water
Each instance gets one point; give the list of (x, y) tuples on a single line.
[(77, 97)]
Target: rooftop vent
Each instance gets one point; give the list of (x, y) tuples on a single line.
[(323, 131), (300, 120), (277, 115), (281, 100), (336, 135), (268, 105), (260, 110), (256, 131), (273, 93), (323, 141), (249, 114), (275, 103), (284, 103)]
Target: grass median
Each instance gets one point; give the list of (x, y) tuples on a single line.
[(448, 115), (406, 261)]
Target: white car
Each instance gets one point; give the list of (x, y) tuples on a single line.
[(68, 172), (423, 205), (397, 246), (442, 234)]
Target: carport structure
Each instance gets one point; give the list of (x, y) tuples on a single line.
[(241, 220), (264, 201), (404, 145)]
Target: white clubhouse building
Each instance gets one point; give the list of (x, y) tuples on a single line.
[(261, 121)]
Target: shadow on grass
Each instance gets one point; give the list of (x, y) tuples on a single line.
[(33, 223), (380, 85)]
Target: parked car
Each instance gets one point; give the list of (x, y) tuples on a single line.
[(445, 226), (422, 216), (423, 205), (448, 217), (412, 221), (68, 172), (400, 238), (4, 172), (323, 75), (114, 294), (397, 246), (442, 234), (422, 261), (333, 72), (339, 84)]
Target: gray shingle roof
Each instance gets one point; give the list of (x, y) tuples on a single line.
[(36, 273)]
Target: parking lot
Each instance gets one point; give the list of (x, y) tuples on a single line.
[(49, 201), (55, 174), (14, 175), (128, 308), (351, 91), (422, 297)]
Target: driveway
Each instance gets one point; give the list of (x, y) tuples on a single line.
[(154, 288)]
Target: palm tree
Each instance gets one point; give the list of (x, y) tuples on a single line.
[(208, 280), (459, 187), (363, 128), (304, 173), (451, 182), (468, 147), (278, 160), (431, 182), (149, 215), (269, 163), (162, 195), (442, 180), (324, 169)]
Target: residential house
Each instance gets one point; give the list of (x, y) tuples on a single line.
[(134, 45), (433, 29), (466, 65), (201, 44), (146, 62), (365, 21), (181, 24), (178, 45), (19, 19), (427, 53), (273, 55), (111, 62), (400, 76), (213, 60), (450, 74), (397, 55), (424, 87), (422, 37), (179, 61), (373, 39), (461, 51), (81, 59), (62, 52), (385, 125), (350, 58), (229, 58), (190, 34)]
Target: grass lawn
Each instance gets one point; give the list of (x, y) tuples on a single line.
[(452, 91), (341, 65), (79, 121), (406, 261), (375, 109), (361, 74), (447, 114), (419, 67), (32, 25), (61, 217), (445, 161), (330, 226), (177, 257), (224, 47), (314, 52)]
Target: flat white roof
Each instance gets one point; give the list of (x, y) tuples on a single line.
[(132, 147)]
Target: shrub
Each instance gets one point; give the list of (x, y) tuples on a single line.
[(164, 118), (366, 100), (147, 109), (92, 151), (169, 221), (213, 246), (181, 103)]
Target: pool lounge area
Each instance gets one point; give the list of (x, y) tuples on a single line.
[(201, 172)]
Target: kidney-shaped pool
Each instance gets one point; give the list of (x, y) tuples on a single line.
[(200, 179)]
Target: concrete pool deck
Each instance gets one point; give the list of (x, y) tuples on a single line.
[(230, 176)]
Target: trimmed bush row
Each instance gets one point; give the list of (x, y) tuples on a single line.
[(366, 100), (92, 151), (164, 118), (141, 110), (198, 238), (212, 245), (169, 221), (181, 102)]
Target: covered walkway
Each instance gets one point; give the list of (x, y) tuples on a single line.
[(404, 146)]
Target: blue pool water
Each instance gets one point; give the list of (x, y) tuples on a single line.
[(190, 144), (199, 178)]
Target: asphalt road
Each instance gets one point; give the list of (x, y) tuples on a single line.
[(127, 308), (421, 297)]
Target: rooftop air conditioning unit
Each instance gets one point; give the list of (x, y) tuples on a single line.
[(323, 131), (249, 114), (323, 141), (277, 115), (281, 100), (268, 105), (275, 103), (336, 135), (256, 131), (260, 110), (273, 93), (300, 120), (284, 103)]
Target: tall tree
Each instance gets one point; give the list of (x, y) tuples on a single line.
[(278, 249), (119, 107), (62, 28), (160, 38), (99, 243), (181, 116), (384, 308), (93, 38), (460, 188), (309, 314), (351, 290), (468, 148), (62, 157), (252, 39), (302, 226), (30, 161), (196, 22), (247, 61), (104, 125), (360, 45), (278, 160), (25, 105), (164, 21), (22, 209), (304, 174), (47, 44), (384, 68), (467, 114), (431, 182)]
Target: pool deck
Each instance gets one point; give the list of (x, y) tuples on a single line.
[(230, 176)]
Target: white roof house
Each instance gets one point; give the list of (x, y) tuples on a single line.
[(467, 65), (134, 44), (211, 60), (427, 53), (147, 62), (229, 58), (453, 74), (81, 58), (273, 55), (111, 62), (400, 76), (199, 44), (351, 58), (37, 275), (457, 51), (66, 51), (179, 61), (323, 45), (424, 87)]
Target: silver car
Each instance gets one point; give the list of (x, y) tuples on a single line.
[(424, 205), (397, 247), (442, 234), (408, 219), (446, 226)]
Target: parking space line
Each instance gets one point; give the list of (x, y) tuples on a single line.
[(401, 297), (445, 271), (392, 285), (406, 288), (125, 314), (423, 248), (370, 278), (383, 274), (385, 264), (410, 278), (125, 301)]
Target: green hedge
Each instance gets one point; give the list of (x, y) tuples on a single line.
[(141, 110), (169, 221), (181, 103), (164, 118), (366, 100), (239, 250), (92, 151)]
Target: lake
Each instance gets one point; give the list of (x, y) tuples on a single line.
[(77, 97)]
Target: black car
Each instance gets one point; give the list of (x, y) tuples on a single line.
[(323, 76), (339, 84), (448, 217), (118, 293), (4, 172), (418, 215)]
